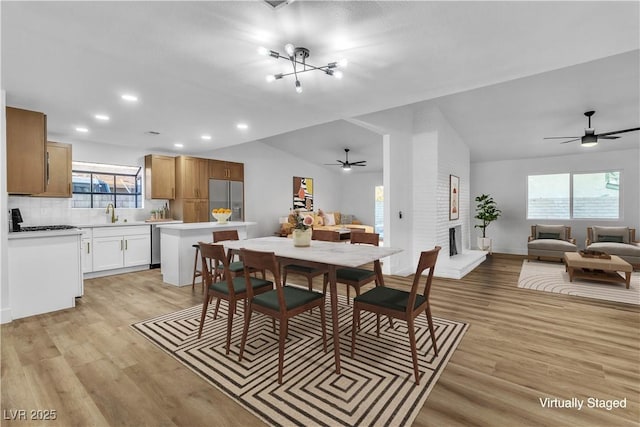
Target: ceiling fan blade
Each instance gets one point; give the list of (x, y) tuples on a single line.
[(333, 164), (561, 137), (353, 164), (571, 140), (608, 137), (358, 163), (617, 131)]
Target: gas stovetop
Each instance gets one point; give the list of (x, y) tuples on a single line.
[(47, 227)]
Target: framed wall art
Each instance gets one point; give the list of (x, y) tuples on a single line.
[(303, 193), (454, 197)]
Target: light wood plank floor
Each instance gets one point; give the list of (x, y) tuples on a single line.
[(89, 366)]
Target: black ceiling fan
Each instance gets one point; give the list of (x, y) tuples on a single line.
[(590, 137), (346, 165)]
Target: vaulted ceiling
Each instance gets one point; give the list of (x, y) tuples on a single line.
[(505, 74)]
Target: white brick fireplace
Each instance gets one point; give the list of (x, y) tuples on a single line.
[(438, 152)]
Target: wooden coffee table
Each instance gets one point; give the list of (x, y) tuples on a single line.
[(603, 270)]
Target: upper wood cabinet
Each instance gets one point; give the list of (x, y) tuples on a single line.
[(160, 177), (192, 177), (231, 171), (26, 151), (58, 170)]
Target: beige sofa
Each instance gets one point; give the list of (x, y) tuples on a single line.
[(322, 221), (618, 241), (550, 241)]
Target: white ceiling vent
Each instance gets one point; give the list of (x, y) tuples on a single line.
[(277, 4)]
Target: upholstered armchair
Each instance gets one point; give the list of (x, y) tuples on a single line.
[(620, 241), (550, 241)]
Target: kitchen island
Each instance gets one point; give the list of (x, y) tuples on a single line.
[(44, 271), (176, 246)]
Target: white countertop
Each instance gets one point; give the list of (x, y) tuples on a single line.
[(204, 225), (42, 234)]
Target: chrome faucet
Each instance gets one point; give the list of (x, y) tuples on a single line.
[(114, 218)]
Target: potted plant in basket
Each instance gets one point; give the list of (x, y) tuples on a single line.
[(487, 212)]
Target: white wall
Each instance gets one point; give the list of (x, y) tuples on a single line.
[(506, 181), (438, 152), (268, 177), (396, 126), (358, 195)]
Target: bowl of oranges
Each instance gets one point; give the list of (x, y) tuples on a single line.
[(221, 215)]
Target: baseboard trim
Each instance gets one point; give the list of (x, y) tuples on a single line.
[(5, 316)]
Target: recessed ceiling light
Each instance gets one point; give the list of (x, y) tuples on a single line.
[(82, 129), (102, 117), (129, 97), (178, 145), (242, 126), (206, 137)]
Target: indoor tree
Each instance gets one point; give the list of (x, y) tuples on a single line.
[(486, 211)]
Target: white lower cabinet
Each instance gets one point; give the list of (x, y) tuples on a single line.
[(86, 250), (119, 247)]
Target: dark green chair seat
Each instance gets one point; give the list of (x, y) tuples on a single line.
[(294, 297), (234, 267), (239, 285), (392, 299), (354, 274), (394, 303)]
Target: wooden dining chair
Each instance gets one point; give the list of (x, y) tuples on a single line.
[(357, 277), (401, 305), (281, 303), (235, 267), (311, 272), (231, 288)]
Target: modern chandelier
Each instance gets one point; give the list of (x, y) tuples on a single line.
[(298, 58)]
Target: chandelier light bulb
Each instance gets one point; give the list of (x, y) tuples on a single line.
[(337, 74), (289, 49), (263, 51), (343, 62), (270, 78), (298, 86)]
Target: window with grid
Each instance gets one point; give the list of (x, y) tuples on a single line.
[(574, 196), (95, 185)]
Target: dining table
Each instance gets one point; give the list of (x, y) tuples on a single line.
[(332, 255)]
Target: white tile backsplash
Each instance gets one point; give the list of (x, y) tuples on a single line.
[(55, 211)]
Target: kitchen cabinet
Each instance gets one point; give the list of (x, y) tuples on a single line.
[(86, 252), (192, 177), (191, 210), (119, 247), (44, 273), (58, 170), (231, 171), (160, 177), (26, 151)]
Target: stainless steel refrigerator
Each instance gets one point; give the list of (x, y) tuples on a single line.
[(227, 194)]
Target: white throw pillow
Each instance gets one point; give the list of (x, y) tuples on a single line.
[(329, 219)]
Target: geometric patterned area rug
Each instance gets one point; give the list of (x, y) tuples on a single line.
[(550, 277), (376, 388)]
